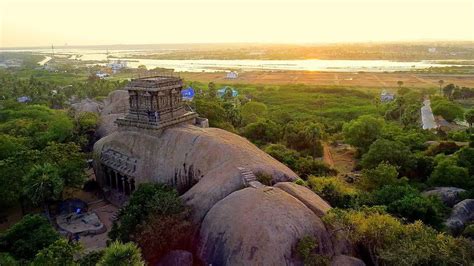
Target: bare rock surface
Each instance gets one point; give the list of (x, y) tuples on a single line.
[(202, 159), (448, 195), (177, 258), (343, 260), (86, 105), (115, 105), (462, 213), (306, 196), (258, 226)]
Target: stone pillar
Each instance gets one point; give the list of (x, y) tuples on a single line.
[(114, 179), (120, 182), (107, 176), (126, 186), (132, 184)]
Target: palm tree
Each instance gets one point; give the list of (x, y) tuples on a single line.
[(43, 184), (400, 83), (440, 82), (313, 136), (122, 254)]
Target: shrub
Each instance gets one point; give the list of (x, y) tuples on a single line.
[(363, 131), (118, 254), (389, 242), (25, 238), (445, 147), (264, 178), (382, 175), (91, 258), (447, 173), (337, 192), (306, 249), (163, 233), (58, 253), (284, 155), (262, 131), (156, 199), (306, 166), (392, 152)]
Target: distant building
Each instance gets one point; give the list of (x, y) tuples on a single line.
[(386, 96), (117, 65), (432, 50), (232, 75), (23, 99), (222, 91), (101, 74)]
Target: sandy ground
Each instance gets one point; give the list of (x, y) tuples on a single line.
[(106, 214), (341, 157), (363, 79)]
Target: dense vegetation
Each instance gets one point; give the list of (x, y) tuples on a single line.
[(293, 123), (381, 207)]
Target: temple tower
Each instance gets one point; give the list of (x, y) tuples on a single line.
[(155, 104)]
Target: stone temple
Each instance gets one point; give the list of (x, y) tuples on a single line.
[(155, 103)]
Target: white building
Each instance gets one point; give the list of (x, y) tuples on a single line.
[(232, 75), (117, 65)]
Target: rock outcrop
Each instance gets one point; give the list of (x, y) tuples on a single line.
[(206, 160), (238, 225), (462, 213), (115, 105), (177, 258), (448, 195), (306, 196), (86, 105), (343, 260), (259, 226)]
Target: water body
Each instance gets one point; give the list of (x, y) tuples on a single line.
[(244, 65)]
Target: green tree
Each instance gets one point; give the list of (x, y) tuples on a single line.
[(469, 116), (283, 154), (156, 199), (7, 259), (448, 110), (69, 160), (447, 173), (118, 254), (58, 253), (466, 159), (390, 242), (440, 82), (212, 91), (335, 191), (392, 152), (382, 175), (43, 184), (263, 131), (252, 112), (306, 166), (363, 131), (408, 203), (25, 238), (448, 90)]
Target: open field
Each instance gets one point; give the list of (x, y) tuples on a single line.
[(363, 79)]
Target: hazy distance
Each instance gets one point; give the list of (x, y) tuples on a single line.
[(27, 23)]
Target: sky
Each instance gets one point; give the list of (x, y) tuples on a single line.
[(25, 23)]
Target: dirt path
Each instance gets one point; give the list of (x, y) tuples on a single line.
[(327, 157)]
